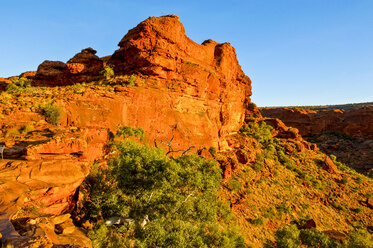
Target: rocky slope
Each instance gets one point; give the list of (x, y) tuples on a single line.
[(337, 130), (175, 89)]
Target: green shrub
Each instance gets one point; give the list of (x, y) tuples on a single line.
[(234, 184), (27, 129), (78, 88), (132, 80), (269, 212), (337, 206), (315, 238), (283, 209), (178, 197), (20, 85), (52, 112), (261, 132), (286, 161), (126, 131), (287, 237), (108, 72), (212, 150), (12, 132), (360, 239), (256, 221)]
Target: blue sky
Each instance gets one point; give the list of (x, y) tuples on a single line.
[(297, 52)]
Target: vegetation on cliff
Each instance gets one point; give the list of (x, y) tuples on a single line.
[(161, 202), (277, 181)]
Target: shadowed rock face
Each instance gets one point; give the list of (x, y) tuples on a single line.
[(85, 66), (52, 73)]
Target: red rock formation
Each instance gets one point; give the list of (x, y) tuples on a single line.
[(52, 73), (85, 66), (159, 47), (28, 74), (199, 87)]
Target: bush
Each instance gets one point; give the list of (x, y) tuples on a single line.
[(289, 236), (51, 112), (212, 150), (126, 131), (132, 80), (360, 239), (27, 129), (315, 238), (20, 85), (177, 198), (108, 72), (12, 132), (261, 132)]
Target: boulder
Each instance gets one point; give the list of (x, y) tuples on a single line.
[(52, 73), (329, 165), (85, 66)]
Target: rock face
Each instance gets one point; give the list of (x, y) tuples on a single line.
[(38, 188), (201, 88), (159, 47)]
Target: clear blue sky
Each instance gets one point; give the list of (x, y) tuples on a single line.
[(297, 52)]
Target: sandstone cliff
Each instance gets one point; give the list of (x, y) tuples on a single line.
[(199, 88)]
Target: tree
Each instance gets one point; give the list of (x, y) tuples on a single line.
[(171, 202)]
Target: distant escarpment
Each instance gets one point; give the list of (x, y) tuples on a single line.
[(353, 122), (345, 131)]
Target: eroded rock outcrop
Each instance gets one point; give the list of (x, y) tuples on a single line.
[(159, 47), (85, 66), (201, 88), (52, 73), (173, 88)]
